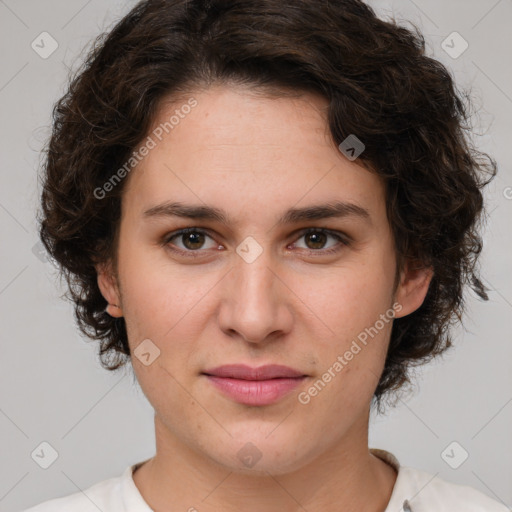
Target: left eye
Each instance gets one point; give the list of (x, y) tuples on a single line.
[(317, 237), (193, 239)]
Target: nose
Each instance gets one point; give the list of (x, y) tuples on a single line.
[(256, 301)]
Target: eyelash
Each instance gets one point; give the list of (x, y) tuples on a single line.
[(197, 253)]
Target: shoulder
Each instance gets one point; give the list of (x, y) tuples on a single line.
[(429, 492), (416, 490), (104, 495)]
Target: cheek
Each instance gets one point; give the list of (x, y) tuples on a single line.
[(351, 365), (352, 301), (156, 292), (348, 299)]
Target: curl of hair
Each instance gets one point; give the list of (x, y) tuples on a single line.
[(380, 85)]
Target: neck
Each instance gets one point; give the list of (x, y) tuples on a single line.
[(346, 477)]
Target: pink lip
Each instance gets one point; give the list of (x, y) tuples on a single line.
[(255, 386)]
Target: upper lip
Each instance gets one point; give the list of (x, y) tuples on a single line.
[(242, 371)]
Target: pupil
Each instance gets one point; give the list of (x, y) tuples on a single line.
[(193, 238), (319, 243)]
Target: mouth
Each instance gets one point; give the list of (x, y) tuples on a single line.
[(259, 386)]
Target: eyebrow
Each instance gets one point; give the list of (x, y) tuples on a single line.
[(336, 209)]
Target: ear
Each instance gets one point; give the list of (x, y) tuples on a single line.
[(413, 287), (109, 288)]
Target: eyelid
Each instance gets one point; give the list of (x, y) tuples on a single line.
[(342, 238)]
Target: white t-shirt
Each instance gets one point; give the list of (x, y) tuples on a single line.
[(414, 491)]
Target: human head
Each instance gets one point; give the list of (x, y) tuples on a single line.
[(378, 84)]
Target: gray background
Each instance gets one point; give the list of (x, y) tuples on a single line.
[(53, 389)]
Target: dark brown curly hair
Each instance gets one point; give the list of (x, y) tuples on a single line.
[(380, 86)]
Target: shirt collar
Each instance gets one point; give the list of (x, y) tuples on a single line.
[(402, 490)]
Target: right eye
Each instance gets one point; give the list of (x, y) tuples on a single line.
[(192, 239)]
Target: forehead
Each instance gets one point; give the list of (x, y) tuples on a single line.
[(244, 118), (246, 150)]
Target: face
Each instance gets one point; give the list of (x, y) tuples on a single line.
[(261, 285)]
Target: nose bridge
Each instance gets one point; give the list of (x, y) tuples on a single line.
[(254, 280), (254, 307)]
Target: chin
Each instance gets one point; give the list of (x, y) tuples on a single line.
[(259, 455)]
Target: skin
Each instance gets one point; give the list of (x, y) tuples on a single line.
[(255, 156)]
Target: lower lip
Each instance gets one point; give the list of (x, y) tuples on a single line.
[(255, 392)]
